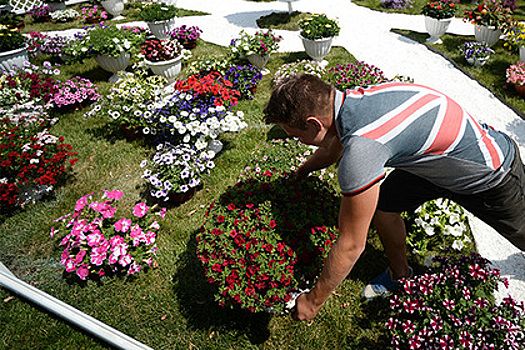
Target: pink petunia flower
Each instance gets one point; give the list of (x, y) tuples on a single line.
[(83, 271), (122, 225), (113, 194), (140, 210), (94, 239), (125, 260)]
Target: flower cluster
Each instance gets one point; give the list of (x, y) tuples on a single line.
[(397, 4), (92, 13), (516, 74), (30, 158), (452, 307), (53, 45), (299, 67), (244, 79), (262, 43), (285, 156), (112, 41), (436, 224), (475, 49), (185, 34), (64, 15), (355, 74), (96, 243), (318, 26), (155, 50), (11, 39), (515, 36), (40, 13), (175, 169), (75, 91), (265, 237), (157, 12), (439, 9), (219, 64), (490, 13)]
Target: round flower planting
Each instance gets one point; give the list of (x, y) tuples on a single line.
[(266, 237)]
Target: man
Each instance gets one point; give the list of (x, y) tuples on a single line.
[(436, 148)]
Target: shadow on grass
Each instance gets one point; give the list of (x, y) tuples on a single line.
[(198, 306)]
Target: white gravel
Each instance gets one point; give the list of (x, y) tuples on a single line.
[(367, 35)]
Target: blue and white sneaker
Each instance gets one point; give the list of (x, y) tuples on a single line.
[(383, 285)]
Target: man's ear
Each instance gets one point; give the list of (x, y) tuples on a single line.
[(315, 122)]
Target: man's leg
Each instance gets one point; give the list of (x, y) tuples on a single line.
[(392, 232)]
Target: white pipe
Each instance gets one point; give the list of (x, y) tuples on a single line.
[(61, 309)]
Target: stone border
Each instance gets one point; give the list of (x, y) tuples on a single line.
[(429, 47)]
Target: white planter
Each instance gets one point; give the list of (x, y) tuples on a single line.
[(161, 28), (290, 10), (114, 65), (113, 7), (477, 62), (10, 59), (522, 53), (487, 35), (57, 6), (259, 61), (318, 48), (436, 28), (167, 69)]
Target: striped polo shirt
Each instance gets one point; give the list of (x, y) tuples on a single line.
[(420, 130)]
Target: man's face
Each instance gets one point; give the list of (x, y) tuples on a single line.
[(312, 135)]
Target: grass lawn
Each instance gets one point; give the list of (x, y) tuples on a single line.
[(169, 307)]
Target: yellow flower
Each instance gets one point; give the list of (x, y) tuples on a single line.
[(328, 25)]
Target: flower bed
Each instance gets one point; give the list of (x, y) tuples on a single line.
[(355, 74), (265, 237), (96, 243)]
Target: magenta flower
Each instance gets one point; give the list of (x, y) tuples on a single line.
[(83, 271), (94, 239), (140, 210), (113, 194), (449, 304), (122, 225), (81, 203), (125, 260), (70, 265)]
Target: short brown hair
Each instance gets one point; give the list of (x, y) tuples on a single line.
[(296, 98)]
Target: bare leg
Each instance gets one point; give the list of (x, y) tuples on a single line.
[(392, 232)]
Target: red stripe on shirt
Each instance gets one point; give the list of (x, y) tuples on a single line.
[(364, 188), (399, 118), (494, 156), (448, 130), (373, 88)]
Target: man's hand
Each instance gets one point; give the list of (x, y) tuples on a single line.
[(305, 309)]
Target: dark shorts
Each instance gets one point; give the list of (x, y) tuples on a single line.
[(502, 207)]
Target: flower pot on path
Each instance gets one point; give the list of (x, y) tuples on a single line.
[(114, 8), (167, 69), (160, 29), (318, 48), (115, 65), (259, 61), (487, 35), (436, 28), (10, 59), (476, 61)]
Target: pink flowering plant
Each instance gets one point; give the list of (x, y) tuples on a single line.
[(516, 73), (97, 243), (92, 13), (452, 307), (265, 238), (359, 73), (74, 92)]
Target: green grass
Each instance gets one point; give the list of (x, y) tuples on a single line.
[(130, 14), (418, 4), (491, 75), (169, 307), (282, 20)]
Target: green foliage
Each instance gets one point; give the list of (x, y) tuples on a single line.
[(11, 39), (318, 26), (157, 12), (439, 9)]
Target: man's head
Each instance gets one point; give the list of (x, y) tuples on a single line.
[(296, 99)]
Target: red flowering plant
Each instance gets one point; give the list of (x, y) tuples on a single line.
[(155, 50), (96, 243), (266, 238), (453, 307), (31, 161)]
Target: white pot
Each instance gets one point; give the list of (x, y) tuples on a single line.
[(114, 65), (259, 61), (161, 29), (477, 62), (318, 48), (57, 6), (436, 28), (167, 69), (522, 53), (290, 10), (113, 7), (169, 2), (10, 59), (487, 35)]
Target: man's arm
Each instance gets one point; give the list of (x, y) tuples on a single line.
[(354, 221), (323, 157)]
